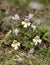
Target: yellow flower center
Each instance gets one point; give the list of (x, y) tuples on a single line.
[(26, 22), (15, 44), (36, 39)]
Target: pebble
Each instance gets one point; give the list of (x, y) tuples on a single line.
[(35, 5)]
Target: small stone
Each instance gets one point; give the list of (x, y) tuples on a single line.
[(35, 5)]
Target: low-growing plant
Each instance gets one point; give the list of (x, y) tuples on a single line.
[(27, 34)]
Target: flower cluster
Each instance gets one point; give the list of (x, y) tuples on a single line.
[(26, 34)]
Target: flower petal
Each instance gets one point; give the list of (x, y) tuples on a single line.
[(19, 43), (29, 24), (16, 47), (34, 40), (30, 16), (26, 19), (13, 18), (36, 43), (14, 41), (12, 45), (22, 22), (17, 16), (16, 31), (25, 26), (33, 26), (40, 41), (37, 37)]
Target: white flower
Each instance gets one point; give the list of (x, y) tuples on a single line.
[(33, 26), (26, 23), (15, 44), (37, 40), (16, 17), (30, 16), (16, 31)]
